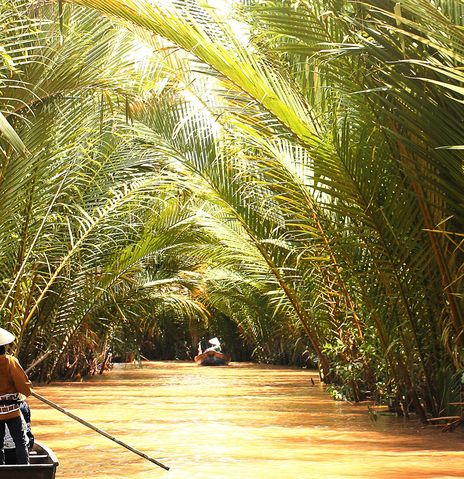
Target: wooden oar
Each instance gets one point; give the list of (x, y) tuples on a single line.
[(96, 429)]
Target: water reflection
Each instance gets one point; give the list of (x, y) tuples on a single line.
[(242, 421)]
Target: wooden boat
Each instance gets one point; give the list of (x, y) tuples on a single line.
[(43, 465), (212, 358)]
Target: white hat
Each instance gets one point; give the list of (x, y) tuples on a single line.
[(5, 337), (215, 341)]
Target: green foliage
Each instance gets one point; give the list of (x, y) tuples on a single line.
[(299, 177)]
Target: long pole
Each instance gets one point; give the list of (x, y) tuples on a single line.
[(38, 361), (96, 429)]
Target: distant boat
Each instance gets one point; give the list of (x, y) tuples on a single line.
[(212, 358), (43, 465)]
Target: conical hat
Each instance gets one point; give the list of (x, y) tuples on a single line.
[(5, 337), (215, 341)]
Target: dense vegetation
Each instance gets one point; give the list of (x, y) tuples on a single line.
[(290, 179)]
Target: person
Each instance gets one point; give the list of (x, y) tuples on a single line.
[(8, 444), (202, 345), (215, 345), (13, 382)]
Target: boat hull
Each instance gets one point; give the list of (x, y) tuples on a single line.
[(212, 358), (43, 465)]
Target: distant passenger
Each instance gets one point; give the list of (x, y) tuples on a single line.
[(215, 345), (13, 382)]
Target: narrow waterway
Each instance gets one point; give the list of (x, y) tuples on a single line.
[(242, 421)]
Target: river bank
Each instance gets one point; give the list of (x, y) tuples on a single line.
[(243, 421)]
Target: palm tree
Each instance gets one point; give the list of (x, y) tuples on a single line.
[(353, 93), (303, 178), (80, 212)]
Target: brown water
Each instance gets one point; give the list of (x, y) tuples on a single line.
[(242, 421)]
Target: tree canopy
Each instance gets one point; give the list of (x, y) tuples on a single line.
[(286, 173)]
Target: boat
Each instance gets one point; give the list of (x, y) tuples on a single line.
[(43, 464), (212, 358)]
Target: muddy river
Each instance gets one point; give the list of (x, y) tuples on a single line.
[(242, 421)]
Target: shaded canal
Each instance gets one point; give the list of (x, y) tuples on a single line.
[(242, 421)]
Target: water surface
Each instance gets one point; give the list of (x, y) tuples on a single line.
[(241, 421)]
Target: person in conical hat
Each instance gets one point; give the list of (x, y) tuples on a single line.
[(9, 446), (216, 345), (6, 337), (13, 383)]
